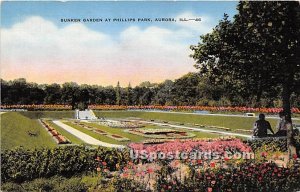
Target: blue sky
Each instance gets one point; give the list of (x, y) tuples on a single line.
[(36, 23)]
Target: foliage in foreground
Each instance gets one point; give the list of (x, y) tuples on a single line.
[(271, 143), (78, 168), (21, 164), (245, 177), (55, 184), (91, 183)]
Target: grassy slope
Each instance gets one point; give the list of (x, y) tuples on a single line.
[(223, 121), (48, 114), (66, 134), (14, 132)]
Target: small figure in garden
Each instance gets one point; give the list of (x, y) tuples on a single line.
[(261, 127), (281, 126)]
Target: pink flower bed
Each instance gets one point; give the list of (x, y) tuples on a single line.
[(217, 145)]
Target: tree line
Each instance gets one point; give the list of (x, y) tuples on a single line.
[(190, 89)]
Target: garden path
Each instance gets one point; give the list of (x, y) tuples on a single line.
[(84, 137)]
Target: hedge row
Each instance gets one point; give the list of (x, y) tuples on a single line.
[(21, 164)]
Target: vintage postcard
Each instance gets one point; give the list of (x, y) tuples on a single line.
[(184, 96)]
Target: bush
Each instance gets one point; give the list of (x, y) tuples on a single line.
[(124, 184), (21, 164), (12, 187), (271, 143), (54, 184)]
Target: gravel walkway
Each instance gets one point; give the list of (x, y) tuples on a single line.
[(85, 137)]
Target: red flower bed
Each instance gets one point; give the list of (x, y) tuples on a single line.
[(61, 139), (116, 136), (99, 131), (242, 109), (37, 107), (54, 132)]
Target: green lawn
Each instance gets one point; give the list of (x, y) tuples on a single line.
[(137, 138), (200, 134), (93, 134), (223, 121), (14, 132), (48, 114), (66, 134), (15, 126), (118, 131), (132, 137)]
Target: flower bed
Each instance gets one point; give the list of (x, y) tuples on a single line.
[(54, 132), (121, 124), (156, 141), (113, 136), (214, 145), (116, 172), (104, 133), (246, 177), (158, 131), (162, 133), (37, 107), (242, 109), (57, 136), (272, 143), (61, 139)]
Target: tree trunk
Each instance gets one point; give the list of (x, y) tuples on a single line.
[(286, 94), (258, 94), (258, 98)]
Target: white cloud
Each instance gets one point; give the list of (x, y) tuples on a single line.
[(39, 50)]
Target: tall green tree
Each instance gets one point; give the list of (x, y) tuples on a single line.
[(256, 52), (70, 93), (52, 94), (129, 94), (164, 93), (118, 94), (185, 89)]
